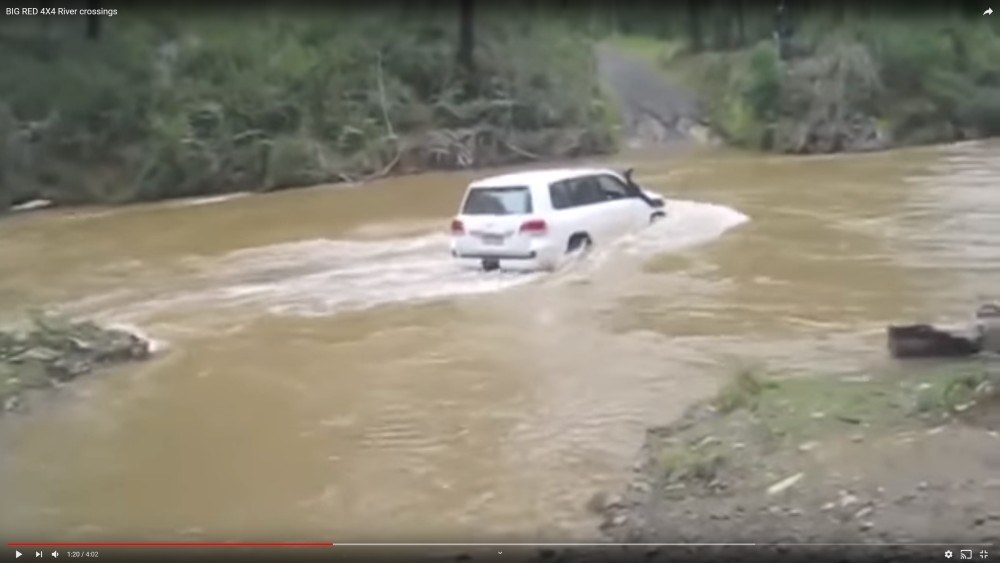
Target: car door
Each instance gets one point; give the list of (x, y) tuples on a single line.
[(627, 212), (577, 200), (571, 214), (602, 215), (566, 216)]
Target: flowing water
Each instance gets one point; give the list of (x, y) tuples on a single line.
[(327, 373)]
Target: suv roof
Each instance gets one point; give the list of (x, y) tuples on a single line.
[(536, 177)]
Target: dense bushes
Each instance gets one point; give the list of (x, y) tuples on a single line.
[(164, 107), (741, 91), (856, 84)]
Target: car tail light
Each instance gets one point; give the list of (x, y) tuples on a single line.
[(457, 227), (534, 227)]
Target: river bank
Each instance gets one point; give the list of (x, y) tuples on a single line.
[(881, 459), (166, 105), (52, 351)]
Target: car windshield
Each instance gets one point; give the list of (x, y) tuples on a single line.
[(514, 200)]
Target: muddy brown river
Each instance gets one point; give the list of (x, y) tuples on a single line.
[(327, 374)]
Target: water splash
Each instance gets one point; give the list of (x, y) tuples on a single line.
[(321, 277), (688, 224)]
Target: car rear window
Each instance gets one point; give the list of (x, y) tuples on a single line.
[(513, 200)]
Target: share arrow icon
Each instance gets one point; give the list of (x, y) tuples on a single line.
[(988, 12)]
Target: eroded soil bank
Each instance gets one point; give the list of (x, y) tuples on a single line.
[(890, 458)]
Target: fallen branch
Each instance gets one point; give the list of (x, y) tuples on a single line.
[(345, 178), (519, 150), (381, 94), (388, 167)]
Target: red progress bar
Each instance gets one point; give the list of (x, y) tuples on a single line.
[(174, 544)]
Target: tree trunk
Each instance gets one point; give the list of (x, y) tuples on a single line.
[(741, 24), (840, 11), (45, 20), (466, 37), (93, 21), (782, 31), (722, 26), (694, 25)]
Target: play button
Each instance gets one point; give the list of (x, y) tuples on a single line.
[(16, 554)]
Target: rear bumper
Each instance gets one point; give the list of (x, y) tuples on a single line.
[(495, 256), (529, 261)]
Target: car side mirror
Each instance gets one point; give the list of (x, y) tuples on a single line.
[(628, 175)]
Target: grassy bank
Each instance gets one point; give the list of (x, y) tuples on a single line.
[(802, 414), (52, 350), (165, 105), (849, 82), (819, 459)]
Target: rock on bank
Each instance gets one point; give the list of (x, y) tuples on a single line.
[(53, 350)]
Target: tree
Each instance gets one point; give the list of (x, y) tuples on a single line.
[(45, 5), (466, 37), (93, 20), (741, 24), (694, 24), (722, 26)]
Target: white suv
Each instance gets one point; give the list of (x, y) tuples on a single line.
[(530, 220)]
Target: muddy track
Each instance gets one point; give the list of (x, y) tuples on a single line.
[(655, 111)]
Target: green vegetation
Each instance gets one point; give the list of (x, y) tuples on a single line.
[(164, 105), (740, 392), (153, 104), (767, 414), (801, 407), (698, 463), (853, 77), (54, 350)]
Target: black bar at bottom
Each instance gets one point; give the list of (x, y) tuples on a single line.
[(512, 554)]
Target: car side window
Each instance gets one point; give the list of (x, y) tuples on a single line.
[(612, 188), (587, 190), (561, 194)]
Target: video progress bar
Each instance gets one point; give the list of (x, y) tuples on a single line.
[(169, 544), (357, 544)]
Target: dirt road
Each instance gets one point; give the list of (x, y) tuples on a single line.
[(655, 111)]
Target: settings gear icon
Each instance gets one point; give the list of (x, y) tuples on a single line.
[(947, 554)]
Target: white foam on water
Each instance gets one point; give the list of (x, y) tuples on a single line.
[(688, 224), (156, 346), (206, 200), (321, 277)]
